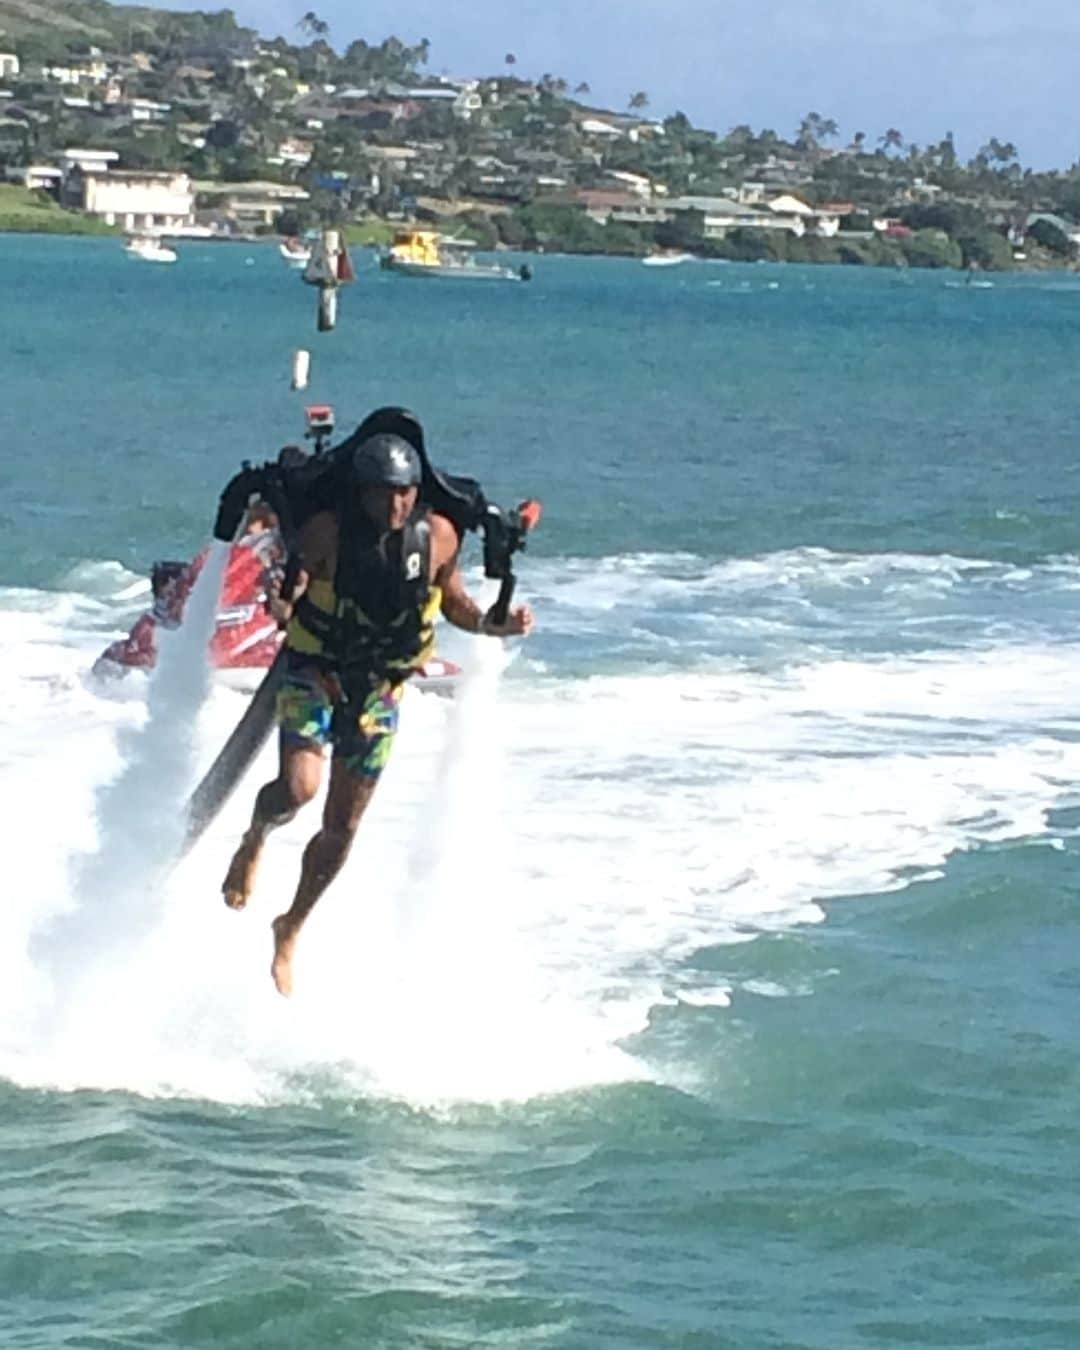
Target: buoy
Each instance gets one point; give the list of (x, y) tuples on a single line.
[(329, 268), (327, 308), (301, 368)]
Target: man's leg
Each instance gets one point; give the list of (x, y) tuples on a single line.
[(305, 713), (299, 776), (361, 752), (346, 801)]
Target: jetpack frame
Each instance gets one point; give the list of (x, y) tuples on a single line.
[(459, 498), (296, 491)]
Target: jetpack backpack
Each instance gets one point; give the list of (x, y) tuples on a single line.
[(296, 492)]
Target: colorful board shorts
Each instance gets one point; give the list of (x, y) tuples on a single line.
[(310, 712)]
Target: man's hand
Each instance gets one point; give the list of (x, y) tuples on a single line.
[(518, 623), (280, 608)]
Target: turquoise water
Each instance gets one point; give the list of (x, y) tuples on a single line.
[(711, 980)]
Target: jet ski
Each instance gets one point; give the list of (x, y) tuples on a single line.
[(246, 637)]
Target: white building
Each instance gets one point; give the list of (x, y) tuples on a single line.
[(787, 205), (295, 151), (720, 215), (803, 219), (144, 110), (469, 100), (9, 65), (139, 201), (787, 213), (251, 205), (37, 177), (636, 182), (88, 161), (87, 72), (592, 126)]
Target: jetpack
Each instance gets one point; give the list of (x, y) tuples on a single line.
[(297, 487)]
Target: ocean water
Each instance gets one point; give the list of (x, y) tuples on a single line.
[(706, 975)]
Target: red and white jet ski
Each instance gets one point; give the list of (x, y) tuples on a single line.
[(246, 638)]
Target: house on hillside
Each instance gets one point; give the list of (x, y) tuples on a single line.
[(296, 152), (135, 200), (86, 161), (140, 110), (721, 215), (891, 227), (9, 65), (466, 99), (250, 205), (1068, 228), (751, 193), (636, 182), (603, 204), (37, 177), (600, 130), (92, 71)]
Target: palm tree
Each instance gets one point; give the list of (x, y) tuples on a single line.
[(814, 129), (892, 140), (582, 88), (1004, 152), (313, 26), (639, 100), (510, 59)]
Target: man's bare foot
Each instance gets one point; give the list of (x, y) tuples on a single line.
[(240, 878), (285, 935)]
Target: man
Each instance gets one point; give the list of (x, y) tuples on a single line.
[(374, 570)]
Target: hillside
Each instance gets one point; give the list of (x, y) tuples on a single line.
[(50, 28), (369, 133)]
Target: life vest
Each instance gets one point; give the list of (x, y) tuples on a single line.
[(376, 620)]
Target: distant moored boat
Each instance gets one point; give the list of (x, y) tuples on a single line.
[(426, 253), (149, 248), (295, 252)]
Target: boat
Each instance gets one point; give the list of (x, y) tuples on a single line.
[(665, 259), (246, 637), (427, 253), (149, 248), (294, 252)]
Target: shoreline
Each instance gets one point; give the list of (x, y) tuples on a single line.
[(40, 230)]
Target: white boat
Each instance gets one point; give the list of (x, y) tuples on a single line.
[(665, 259), (426, 253), (295, 253), (149, 248)]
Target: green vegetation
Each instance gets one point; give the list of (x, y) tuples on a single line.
[(25, 212), (567, 229), (52, 30), (505, 160), (372, 233)]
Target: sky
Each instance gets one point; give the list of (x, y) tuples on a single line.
[(978, 68)]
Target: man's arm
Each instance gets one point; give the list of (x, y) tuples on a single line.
[(458, 606), (310, 557)]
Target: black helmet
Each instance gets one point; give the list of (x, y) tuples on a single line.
[(385, 460)]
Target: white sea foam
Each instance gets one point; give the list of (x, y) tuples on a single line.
[(137, 816), (542, 858)]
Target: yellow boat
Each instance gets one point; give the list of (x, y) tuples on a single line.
[(427, 253)]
